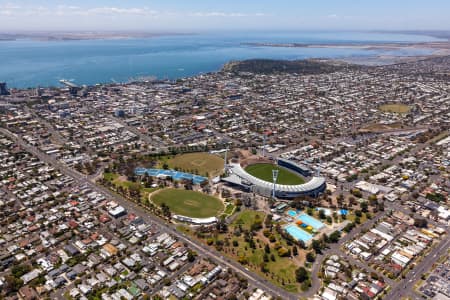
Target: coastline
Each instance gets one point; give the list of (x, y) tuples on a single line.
[(438, 49), (362, 46), (82, 36), (89, 65)]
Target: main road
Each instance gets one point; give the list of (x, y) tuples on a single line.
[(254, 279), (406, 285)]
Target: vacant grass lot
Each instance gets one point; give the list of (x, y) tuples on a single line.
[(264, 172), (395, 108), (188, 203), (202, 163)]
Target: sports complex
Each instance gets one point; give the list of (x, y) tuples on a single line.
[(175, 175), (289, 185)]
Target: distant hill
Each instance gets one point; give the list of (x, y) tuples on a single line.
[(302, 67)]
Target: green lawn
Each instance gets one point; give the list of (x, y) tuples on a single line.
[(248, 217), (188, 203), (264, 172), (395, 108), (116, 179), (110, 176), (229, 209), (201, 163)]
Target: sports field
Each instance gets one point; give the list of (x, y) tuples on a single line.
[(264, 172), (395, 108), (201, 163), (188, 203)]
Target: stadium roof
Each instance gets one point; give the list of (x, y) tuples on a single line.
[(313, 184), (303, 167)]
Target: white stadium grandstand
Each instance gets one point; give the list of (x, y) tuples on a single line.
[(239, 177)]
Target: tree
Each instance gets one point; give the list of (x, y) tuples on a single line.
[(364, 206), (301, 274), (19, 270), (221, 225), (294, 251), (349, 227), (264, 268), (191, 256), (322, 214), (334, 237), (356, 193), (166, 210), (12, 284), (421, 223), (351, 200), (267, 248), (310, 257), (316, 245)]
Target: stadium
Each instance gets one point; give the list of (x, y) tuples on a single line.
[(239, 177)]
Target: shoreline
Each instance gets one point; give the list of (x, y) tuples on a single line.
[(362, 46), (87, 36), (368, 61), (435, 49)]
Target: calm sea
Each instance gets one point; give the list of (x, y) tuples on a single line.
[(27, 63)]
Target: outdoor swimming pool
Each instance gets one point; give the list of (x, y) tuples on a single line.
[(316, 224), (292, 213), (298, 233)]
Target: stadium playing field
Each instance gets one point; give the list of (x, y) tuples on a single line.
[(201, 163), (264, 172), (188, 203)]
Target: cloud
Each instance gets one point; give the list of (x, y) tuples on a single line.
[(66, 10), (9, 6), (225, 14), (122, 11)]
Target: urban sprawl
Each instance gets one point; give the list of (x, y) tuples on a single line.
[(229, 185)]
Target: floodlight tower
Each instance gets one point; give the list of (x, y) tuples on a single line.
[(318, 169), (225, 163), (264, 145), (274, 177)]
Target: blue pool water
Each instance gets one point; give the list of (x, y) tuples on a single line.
[(292, 213), (298, 233), (344, 212), (316, 224)]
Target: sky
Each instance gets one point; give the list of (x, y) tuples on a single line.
[(207, 15)]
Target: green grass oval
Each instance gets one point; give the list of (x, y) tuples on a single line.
[(264, 172), (201, 162), (188, 203)]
